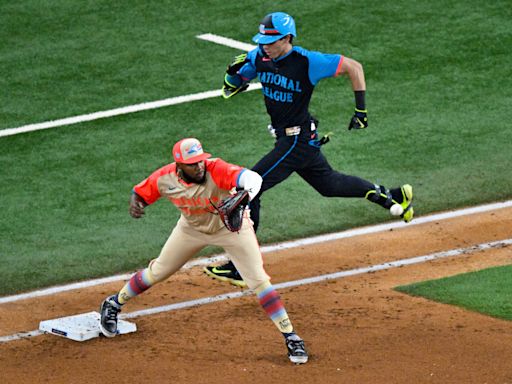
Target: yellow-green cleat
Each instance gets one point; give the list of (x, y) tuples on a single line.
[(406, 204)]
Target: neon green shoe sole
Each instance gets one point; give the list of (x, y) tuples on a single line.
[(226, 276), (406, 204)]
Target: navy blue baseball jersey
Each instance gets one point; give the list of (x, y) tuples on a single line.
[(288, 82)]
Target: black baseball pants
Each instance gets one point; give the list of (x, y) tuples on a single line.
[(295, 154)]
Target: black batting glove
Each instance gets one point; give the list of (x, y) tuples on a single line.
[(359, 120), (229, 90), (237, 63)]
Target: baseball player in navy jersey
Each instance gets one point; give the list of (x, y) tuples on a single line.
[(192, 183), (288, 75)]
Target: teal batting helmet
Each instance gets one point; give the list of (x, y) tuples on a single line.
[(275, 26)]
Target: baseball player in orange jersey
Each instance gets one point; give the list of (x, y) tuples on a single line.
[(192, 183)]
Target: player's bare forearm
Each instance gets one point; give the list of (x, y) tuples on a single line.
[(355, 72)]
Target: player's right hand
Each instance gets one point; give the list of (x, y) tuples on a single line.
[(229, 90), (237, 63), (136, 207), (359, 120)]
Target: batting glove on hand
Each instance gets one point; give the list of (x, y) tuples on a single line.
[(237, 63), (359, 120), (229, 90)]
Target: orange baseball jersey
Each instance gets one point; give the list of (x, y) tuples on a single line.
[(193, 200)]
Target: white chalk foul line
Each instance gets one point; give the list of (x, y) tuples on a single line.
[(21, 335), (294, 283), (117, 111), (138, 107), (226, 41), (272, 248)]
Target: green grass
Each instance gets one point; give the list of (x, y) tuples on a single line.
[(438, 96), (486, 291)]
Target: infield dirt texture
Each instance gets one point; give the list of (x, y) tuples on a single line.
[(358, 329), (438, 98)]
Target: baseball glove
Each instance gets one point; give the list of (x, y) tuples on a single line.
[(231, 210)]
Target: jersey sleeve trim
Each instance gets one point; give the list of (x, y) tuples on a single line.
[(238, 178), (338, 70)]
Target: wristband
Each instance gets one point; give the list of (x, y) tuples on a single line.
[(359, 96)]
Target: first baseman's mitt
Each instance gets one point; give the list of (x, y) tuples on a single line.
[(231, 210)]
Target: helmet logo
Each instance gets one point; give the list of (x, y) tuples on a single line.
[(194, 149), (274, 26)]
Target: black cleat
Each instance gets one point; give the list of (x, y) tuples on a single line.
[(108, 311), (227, 273), (296, 350)]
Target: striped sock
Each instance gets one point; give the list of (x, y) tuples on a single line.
[(273, 306), (138, 283)]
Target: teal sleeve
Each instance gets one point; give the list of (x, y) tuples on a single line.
[(233, 80)]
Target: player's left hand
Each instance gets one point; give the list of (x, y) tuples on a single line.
[(359, 120), (231, 210)]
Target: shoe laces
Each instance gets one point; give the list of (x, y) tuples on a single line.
[(112, 312), (296, 347)]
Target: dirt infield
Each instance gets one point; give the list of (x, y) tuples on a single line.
[(357, 329)]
